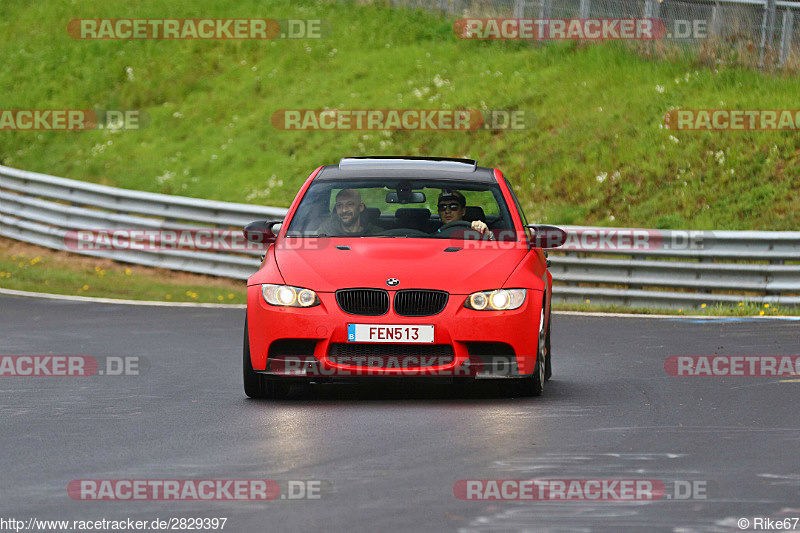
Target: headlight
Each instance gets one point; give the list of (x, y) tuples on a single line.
[(287, 296), (497, 300)]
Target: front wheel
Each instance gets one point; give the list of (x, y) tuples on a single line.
[(534, 384), (548, 369), (256, 385)]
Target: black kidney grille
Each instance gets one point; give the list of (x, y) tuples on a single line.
[(369, 302), (413, 302)]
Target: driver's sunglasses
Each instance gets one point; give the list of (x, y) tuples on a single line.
[(451, 207)]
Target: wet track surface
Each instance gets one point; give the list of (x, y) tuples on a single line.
[(389, 455)]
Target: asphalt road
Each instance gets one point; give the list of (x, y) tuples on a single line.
[(389, 456)]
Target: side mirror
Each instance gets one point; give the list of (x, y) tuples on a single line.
[(547, 236), (260, 231)]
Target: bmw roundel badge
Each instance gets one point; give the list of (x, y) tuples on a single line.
[(393, 282)]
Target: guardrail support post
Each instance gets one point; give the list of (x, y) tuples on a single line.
[(770, 24), (714, 29), (786, 35), (519, 9), (652, 9), (585, 8), (545, 9), (767, 30)]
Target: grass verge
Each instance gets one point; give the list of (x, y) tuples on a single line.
[(32, 268), (599, 153)]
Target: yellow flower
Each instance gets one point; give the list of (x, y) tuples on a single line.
[(703, 306), (35, 260), (741, 304), (220, 298), (680, 310), (20, 264), (774, 309), (761, 313), (766, 305), (230, 296), (169, 297), (102, 272), (97, 269), (127, 271), (188, 293), (588, 300), (14, 257), (86, 287)]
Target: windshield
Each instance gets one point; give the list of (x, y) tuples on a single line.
[(400, 208)]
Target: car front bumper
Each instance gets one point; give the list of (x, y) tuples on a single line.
[(313, 342)]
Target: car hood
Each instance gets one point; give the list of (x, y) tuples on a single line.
[(416, 263)]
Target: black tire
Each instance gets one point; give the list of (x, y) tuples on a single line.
[(534, 384), (256, 385), (276, 388), (548, 368)]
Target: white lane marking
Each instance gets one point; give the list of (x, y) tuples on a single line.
[(91, 299), (676, 317)]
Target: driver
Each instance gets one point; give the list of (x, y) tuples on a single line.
[(452, 208), (346, 220)]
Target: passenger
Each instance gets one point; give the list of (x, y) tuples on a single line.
[(452, 207), (346, 220)]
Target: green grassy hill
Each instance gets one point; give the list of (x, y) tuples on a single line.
[(597, 155)]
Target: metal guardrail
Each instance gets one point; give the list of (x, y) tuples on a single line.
[(41, 209), (719, 267), (722, 267)]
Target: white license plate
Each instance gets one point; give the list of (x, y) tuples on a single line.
[(389, 333)]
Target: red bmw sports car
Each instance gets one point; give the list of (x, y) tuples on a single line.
[(400, 267)]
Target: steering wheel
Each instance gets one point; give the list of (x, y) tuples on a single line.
[(456, 223), (448, 229)]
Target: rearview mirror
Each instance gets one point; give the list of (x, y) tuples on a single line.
[(260, 231), (409, 197), (547, 236)]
